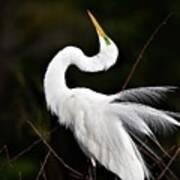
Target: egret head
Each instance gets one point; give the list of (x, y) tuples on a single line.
[(107, 47), (104, 39)]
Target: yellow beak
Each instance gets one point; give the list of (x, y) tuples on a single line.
[(98, 28)]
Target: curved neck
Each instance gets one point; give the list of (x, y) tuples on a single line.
[(54, 81), (55, 75)]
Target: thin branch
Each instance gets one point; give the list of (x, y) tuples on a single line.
[(10, 160), (43, 165), (5, 149), (30, 147), (153, 155), (26, 150), (169, 152), (155, 141), (2, 149), (80, 175), (147, 44), (7, 153), (20, 176), (169, 164), (44, 175)]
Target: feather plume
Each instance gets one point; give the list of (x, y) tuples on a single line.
[(144, 94)]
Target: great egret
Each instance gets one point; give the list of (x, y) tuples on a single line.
[(103, 124)]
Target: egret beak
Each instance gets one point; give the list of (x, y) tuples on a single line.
[(98, 28)]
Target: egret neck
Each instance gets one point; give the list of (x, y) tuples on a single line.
[(55, 83)]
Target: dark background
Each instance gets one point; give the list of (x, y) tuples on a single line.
[(31, 32)]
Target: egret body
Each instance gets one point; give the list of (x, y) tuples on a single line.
[(101, 123)]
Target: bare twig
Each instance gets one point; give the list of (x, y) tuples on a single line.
[(44, 175), (5, 149), (153, 155), (169, 164), (20, 176), (43, 165), (169, 152), (24, 151), (75, 172), (2, 149), (21, 153), (147, 44), (155, 141), (7, 153)]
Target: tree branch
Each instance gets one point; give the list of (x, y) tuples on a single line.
[(147, 44)]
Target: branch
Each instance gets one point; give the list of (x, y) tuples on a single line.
[(10, 160), (20, 176), (43, 165), (152, 155), (5, 149), (76, 173), (25, 150), (44, 175), (147, 44), (169, 164)]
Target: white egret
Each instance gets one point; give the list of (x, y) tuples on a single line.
[(102, 124)]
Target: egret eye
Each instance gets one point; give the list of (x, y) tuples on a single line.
[(108, 42)]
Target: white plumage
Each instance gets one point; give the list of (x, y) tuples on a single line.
[(102, 124)]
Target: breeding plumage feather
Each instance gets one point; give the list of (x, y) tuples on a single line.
[(142, 118), (144, 94)]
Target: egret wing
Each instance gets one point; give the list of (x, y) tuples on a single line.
[(100, 132)]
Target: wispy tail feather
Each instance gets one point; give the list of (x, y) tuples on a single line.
[(139, 119), (144, 119), (144, 94)]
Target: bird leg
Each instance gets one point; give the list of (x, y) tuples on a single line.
[(92, 170), (116, 178)]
